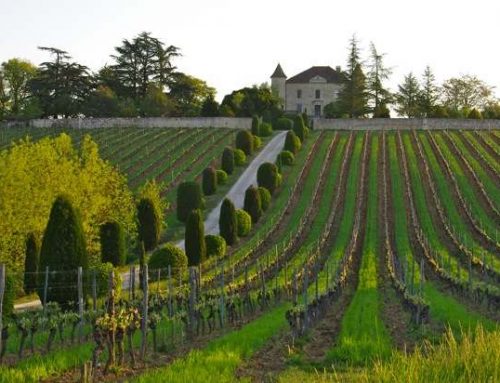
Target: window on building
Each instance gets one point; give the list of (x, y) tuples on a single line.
[(299, 93), (299, 108), (317, 111), (318, 93)]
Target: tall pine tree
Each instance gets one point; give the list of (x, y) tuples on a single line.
[(408, 97), (379, 97), (430, 93)]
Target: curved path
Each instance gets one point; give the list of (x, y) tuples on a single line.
[(249, 177)]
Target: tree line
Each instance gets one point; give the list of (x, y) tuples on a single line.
[(365, 94)]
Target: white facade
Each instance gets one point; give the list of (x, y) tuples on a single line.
[(309, 91)]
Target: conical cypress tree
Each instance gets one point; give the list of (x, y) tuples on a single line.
[(31, 264), (149, 223), (299, 127), (63, 250), (189, 197), (209, 181), (196, 249), (252, 204), (112, 243), (256, 125), (227, 162), (142, 262), (244, 141), (268, 176), (228, 224)]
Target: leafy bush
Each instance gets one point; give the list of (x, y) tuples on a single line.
[(305, 118), (113, 244), (257, 142), (209, 181), (63, 249), (228, 223), (299, 127), (227, 162), (240, 159), (216, 246), (244, 222), (285, 158), (221, 176), (196, 249), (292, 142), (475, 114), (266, 129), (102, 272), (31, 264), (268, 176), (252, 204), (283, 123), (149, 223), (244, 141), (169, 255), (265, 198), (189, 197), (256, 123)]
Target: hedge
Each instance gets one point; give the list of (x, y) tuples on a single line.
[(149, 223), (286, 158), (266, 129), (292, 142), (252, 204), (256, 123), (228, 223), (283, 123), (169, 255), (221, 176)]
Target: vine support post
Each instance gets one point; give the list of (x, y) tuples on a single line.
[(170, 294), (145, 299), (80, 303), (192, 300), (111, 313), (45, 288), (295, 289), (422, 276), (94, 290), (2, 292), (222, 302), (304, 288), (132, 284)]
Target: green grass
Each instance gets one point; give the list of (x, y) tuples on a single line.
[(363, 336)]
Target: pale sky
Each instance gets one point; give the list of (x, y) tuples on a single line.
[(232, 44)]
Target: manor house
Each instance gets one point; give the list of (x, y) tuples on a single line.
[(308, 91)]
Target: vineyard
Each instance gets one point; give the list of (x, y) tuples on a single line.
[(374, 244)]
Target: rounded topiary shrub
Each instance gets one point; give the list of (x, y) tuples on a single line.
[(285, 158), (194, 243), (31, 264), (252, 204), (244, 141), (268, 176), (189, 197), (299, 127), (221, 177), (216, 246), (256, 123), (283, 123), (265, 198), (112, 243), (102, 272), (292, 142), (228, 222), (209, 181), (257, 142), (244, 222), (169, 255), (149, 223), (266, 129), (227, 162), (240, 158)]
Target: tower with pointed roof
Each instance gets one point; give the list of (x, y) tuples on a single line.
[(278, 83)]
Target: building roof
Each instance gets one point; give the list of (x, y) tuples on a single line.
[(328, 73), (278, 72)]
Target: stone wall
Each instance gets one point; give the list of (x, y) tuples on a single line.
[(403, 124), (150, 122)]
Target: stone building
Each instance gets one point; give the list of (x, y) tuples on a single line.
[(308, 91)]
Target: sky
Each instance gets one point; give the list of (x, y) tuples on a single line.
[(232, 44)]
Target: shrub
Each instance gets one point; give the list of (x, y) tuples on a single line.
[(227, 162), (31, 264), (196, 249), (63, 249), (102, 272), (112, 243), (257, 142), (252, 204), (9, 296), (240, 158), (299, 127), (209, 181), (283, 123), (266, 129), (189, 197), (265, 198), (286, 158), (149, 223), (305, 118), (475, 114), (169, 255), (221, 176), (216, 246), (244, 222), (244, 141), (256, 123), (228, 223), (292, 142), (267, 176)]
